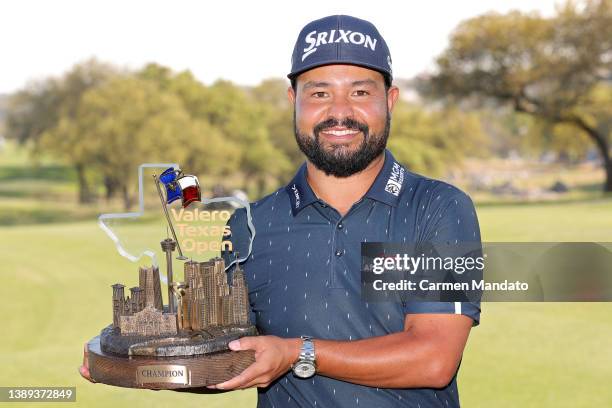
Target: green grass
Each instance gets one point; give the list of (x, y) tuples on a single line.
[(56, 270), (56, 288), (581, 220), (541, 354), (56, 291)]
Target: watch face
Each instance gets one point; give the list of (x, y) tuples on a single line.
[(304, 369)]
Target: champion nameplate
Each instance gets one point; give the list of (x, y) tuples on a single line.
[(176, 374)]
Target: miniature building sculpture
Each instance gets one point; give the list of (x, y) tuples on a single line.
[(144, 317), (208, 300), (149, 342)]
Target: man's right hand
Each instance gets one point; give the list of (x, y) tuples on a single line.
[(84, 368)]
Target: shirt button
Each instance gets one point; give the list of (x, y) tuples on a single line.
[(340, 226), (338, 252)]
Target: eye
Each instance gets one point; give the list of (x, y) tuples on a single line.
[(361, 92), (319, 94)]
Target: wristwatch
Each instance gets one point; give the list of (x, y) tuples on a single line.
[(305, 366)]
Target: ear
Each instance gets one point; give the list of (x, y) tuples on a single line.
[(392, 96), (291, 95)]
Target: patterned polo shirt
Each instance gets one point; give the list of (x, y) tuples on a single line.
[(304, 275)]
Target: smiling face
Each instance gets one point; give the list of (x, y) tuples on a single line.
[(342, 117)]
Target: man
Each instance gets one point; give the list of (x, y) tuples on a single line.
[(304, 272), (321, 344)]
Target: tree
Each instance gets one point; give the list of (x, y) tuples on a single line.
[(241, 124), (241, 120), (277, 114), (50, 105), (119, 125), (557, 69), (432, 142)]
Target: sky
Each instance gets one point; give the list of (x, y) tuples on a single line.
[(241, 41)]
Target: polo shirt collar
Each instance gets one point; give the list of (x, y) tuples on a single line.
[(387, 186), (389, 182), (300, 193)]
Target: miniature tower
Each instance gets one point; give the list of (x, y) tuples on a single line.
[(211, 294), (179, 289), (127, 309), (240, 297), (118, 300), (137, 299), (159, 305), (191, 270), (168, 245), (150, 284)]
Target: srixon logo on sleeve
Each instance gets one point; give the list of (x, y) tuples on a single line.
[(315, 39)]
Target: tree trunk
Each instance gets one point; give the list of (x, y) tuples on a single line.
[(606, 161), (110, 187), (85, 196), (604, 150), (127, 198), (521, 104), (608, 184)]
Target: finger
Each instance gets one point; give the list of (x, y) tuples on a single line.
[(85, 374), (251, 373), (243, 343), (233, 383), (84, 368), (236, 345), (86, 357), (84, 371), (257, 382)]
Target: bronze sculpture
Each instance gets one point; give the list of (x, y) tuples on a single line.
[(182, 344)]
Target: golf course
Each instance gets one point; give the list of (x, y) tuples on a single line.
[(57, 267)]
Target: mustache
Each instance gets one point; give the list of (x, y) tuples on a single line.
[(348, 123)]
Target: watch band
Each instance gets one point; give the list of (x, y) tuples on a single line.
[(305, 366), (307, 352)]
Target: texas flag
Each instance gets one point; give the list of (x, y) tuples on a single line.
[(186, 187)]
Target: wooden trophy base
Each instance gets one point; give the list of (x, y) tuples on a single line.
[(165, 372)]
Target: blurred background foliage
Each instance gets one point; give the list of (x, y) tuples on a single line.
[(508, 84), (104, 122), (557, 70), (513, 90)]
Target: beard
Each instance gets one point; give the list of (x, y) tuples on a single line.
[(338, 160)]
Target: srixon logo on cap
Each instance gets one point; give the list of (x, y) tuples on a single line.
[(315, 39)]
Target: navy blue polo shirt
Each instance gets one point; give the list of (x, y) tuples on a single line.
[(304, 275)]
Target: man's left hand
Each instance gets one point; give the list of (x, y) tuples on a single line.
[(273, 358)]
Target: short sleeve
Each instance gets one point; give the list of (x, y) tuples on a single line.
[(469, 309), (239, 234), (454, 221)]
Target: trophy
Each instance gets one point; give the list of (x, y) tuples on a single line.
[(183, 343)]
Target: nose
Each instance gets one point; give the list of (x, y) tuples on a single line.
[(340, 108)]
